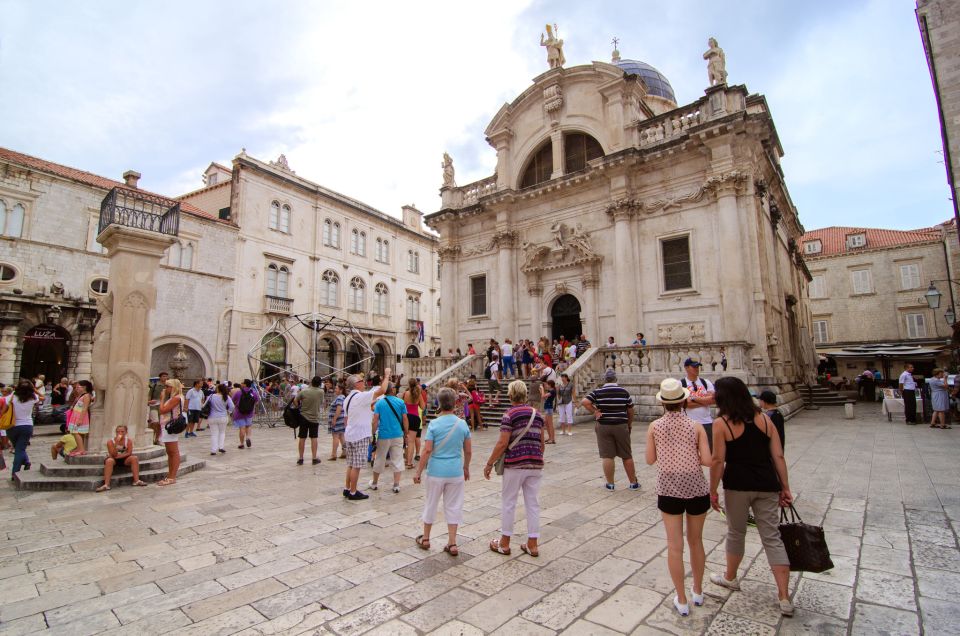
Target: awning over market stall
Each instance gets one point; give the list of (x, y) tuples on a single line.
[(894, 351)]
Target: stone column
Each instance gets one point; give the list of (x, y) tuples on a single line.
[(449, 308), (9, 336), (536, 308), (625, 274), (506, 284), (735, 292), (84, 349), (591, 282), (121, 382), (556, 137)]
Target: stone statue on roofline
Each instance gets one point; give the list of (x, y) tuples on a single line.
[(716, 63), (554, 47), (448, 171)]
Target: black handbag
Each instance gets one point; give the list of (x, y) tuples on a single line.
[(806, 545), (291, 415), (178, 424)]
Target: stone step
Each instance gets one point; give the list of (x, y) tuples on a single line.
[(148, 452), (35, 480), (58, 469)]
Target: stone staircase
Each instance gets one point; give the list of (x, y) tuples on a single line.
[(494, 406), (86, 472), (823, 396)]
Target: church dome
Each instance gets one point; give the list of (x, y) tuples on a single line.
[(657, 83)]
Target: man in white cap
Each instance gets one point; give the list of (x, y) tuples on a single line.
[(702, 396)]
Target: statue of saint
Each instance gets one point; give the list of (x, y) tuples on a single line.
[(554, 47), (447, 165), (557, 230), (580, 240), (716, 63)]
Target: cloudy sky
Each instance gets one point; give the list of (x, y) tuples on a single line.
[(364, 97)]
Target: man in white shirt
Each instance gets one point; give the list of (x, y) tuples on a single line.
[(506, 349), (358, 413), (908, 389), (702, 396)]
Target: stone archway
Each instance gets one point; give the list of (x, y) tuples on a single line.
[(565, 317), (326, 355), (162, 355), (412, 352)]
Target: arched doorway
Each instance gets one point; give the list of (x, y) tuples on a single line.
[(412, 352), (326, 356), (273, 357), (351, 359), (565, 315), (46, 349), (379, 358)]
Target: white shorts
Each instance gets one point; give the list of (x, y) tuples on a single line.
[(166, 437), (566, 413)]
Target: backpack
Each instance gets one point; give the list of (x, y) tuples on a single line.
[(683, 383), (246, 402), (486, 372)]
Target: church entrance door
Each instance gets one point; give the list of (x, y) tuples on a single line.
[(565, 315)]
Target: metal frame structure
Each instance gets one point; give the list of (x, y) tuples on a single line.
[(303, 332)]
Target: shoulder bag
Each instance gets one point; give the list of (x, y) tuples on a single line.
[(179, 424), (806, 545), (6, 420), (498, 465)]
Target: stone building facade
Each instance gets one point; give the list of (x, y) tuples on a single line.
[(613, 210), (868, 287), (939, 24), (52, 271), (303, 248)]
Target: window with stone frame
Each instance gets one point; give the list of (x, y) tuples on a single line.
[(329, 284), (910, 276), (382, 251), (358, 242), (578, 149), (92, 245), (916, 326), (11, 218), (675, 255), (818, 286), (478, 295), (331, 234), (812, 247), (357, 299), (180, 254), (381, 299), (413, 261), (862, 281), (285, 219), (539, 167), (99, 286), (413, 306), (278, 281), (821, 332), (7, 273), (273, 221)]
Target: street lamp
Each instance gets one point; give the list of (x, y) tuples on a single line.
[(950, 316), (933, 296)]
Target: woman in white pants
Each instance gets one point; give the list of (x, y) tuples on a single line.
[(220, 405), (446, 457), (521, 442), (566, 398)]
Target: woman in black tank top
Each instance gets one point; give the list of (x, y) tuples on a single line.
[(747, 455)]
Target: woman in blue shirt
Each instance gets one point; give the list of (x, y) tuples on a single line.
[(446, 456)]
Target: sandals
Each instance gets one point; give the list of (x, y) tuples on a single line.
[(139, 482), (409, 465), (166, 481), (525, 549), (495, 547), (423, 544), (451, 549), (103, 488)]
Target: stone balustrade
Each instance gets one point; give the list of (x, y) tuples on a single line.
[(424, 368), (460, 369), (671, 124), (668, 359), (473, 192)]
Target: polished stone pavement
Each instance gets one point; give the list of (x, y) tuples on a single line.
[(254, 544)]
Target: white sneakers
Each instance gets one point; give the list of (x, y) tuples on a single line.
[(682, 608), (718, 579)]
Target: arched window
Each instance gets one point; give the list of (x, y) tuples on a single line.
[(362, 244), (413, 261), (357, 300), (354, 241), (382, 251), (540, 166), (578, 149), (186, 256), (329, 283), (381, 300), (7, 272), (11, 219), (335, 235), (285, 219), (436, 318), (180, 255), (274, 221), (327, 225), (413, 307), (278, 280)]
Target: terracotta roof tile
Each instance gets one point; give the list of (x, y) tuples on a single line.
[(834, 239), (88, 178)]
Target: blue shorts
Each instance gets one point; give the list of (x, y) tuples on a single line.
[(548, 411), (243, 421)]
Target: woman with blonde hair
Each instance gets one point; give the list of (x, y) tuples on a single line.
[(678, 446), (521, 443), (170, 410)]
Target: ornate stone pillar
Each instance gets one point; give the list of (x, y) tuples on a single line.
[(736, 290), (10, 320), (123, 332), (535, 288), (449, 306), (83, 366), (506, 283), (625, 273), (591, 282), (556, 138)]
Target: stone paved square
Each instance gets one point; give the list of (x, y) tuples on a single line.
[(254, 544)]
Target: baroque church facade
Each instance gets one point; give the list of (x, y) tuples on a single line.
[(614, 210)]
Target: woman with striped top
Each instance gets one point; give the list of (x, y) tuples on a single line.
[(521, 442)]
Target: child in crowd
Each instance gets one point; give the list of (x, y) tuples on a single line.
[(66, 445)]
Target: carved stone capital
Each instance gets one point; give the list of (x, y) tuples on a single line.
[(727, 183), (590, 281), (448, 253), (505, 238), (624, 209)]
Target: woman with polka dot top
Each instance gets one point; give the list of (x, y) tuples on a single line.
[(678, 446)]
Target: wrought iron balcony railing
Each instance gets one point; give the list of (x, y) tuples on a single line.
[(141, 210)]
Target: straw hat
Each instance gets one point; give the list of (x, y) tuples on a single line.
[(672, 392)]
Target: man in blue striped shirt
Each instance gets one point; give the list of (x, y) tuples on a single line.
[(612, 407)]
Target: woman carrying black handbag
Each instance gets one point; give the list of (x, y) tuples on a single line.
[(748, 455)]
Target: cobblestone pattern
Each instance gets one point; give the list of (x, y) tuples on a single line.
[(257, 545)]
